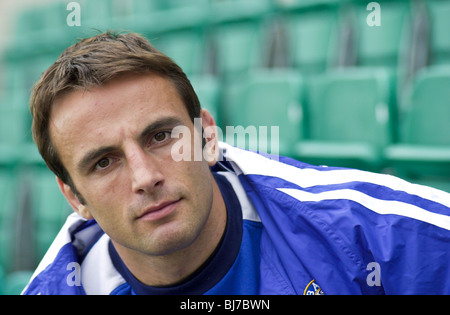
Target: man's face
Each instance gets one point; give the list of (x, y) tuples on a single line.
[(115, 143)]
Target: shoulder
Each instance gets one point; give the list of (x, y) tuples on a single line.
[(379, 193), (323, 216), (77, 263)]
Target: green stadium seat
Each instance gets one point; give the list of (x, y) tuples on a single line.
[(312, 38), (2, 280), (424, 146), (382, 45), (8, 212), (41, 29), (17, 281), (302, 4), (207, 88), (134, 15), (239, 46), (349, 118), (439, 12), (14, 133), (234, 10), (181, 14), (157, 16), (175, 27), (14, 98), (267, 99), (14, 125), (34, 68), (185, 47), (12, 75), (96, 14), (49, 208)]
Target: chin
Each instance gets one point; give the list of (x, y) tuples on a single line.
[(171, 239)]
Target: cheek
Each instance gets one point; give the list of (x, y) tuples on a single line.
[(201, 183), (109, 212), (105, 197)]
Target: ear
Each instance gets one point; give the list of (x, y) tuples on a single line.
[(73, 200), (211, 149)]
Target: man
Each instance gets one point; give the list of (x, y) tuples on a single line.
[(232, 222)]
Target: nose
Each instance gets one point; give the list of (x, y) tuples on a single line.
[(145, 171)]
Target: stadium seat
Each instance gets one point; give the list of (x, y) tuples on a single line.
[(239, 46), (135, 15), (15, 282), (349, 118), (12, 75), (207, 88), (14, 125), (267, 99), (381, 45), (8, 211), (13, 98), (41, 29), (2, 280), (49, 208), (157, 16), (311, 36), (234, 10), (96, 14), (439, 12), (14, 133), (424, 147), (175, 27), (35, 66), (185, 47), (296, 4)]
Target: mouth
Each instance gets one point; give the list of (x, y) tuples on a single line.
[(159, 211)]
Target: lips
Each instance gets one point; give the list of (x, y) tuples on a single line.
[(159, 211)]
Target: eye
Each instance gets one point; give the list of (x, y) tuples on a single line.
[(161, 136), (102, 164)]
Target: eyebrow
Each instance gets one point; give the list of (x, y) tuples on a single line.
[(88, 158)]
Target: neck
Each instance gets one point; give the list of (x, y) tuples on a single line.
[(175, 267)]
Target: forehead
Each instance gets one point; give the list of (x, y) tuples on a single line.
[(122, 107), (125, 90)]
